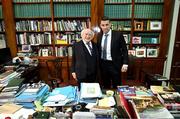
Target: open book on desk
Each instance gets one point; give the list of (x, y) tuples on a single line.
[(90, 90), (150, 108)]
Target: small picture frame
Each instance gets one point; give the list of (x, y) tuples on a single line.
[(140, 52), (154, 40), (132, 52), (136, 40), (26, 48), (155, 25), (152, 52), (138, 26), (45, 52)]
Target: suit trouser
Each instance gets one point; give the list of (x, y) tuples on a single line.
[(110, 75)]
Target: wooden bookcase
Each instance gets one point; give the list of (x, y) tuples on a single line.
[(2, 30), (97, 9)]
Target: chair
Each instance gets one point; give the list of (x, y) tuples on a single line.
[(54, 67)]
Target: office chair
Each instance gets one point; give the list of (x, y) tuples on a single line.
[(54, 67)]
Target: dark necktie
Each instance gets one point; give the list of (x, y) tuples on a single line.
[(104, 53), (90, 48)]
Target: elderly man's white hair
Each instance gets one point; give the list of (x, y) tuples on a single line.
[(87, 30)]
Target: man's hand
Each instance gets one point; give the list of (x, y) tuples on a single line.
[(124, 68), (74, 75)]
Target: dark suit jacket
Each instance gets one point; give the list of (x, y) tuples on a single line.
[(119, 52), (79, 62)]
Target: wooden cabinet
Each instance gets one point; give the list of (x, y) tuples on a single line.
[(127, 16)]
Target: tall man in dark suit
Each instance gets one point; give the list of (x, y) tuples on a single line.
[(113, 54), (85, 58)]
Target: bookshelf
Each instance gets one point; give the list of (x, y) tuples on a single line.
[(88, 12), (144, 24), (2, 30)]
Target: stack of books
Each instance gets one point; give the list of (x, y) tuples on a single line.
[(150, 108)]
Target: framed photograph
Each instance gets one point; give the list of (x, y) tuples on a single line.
[(132, 52), (44, 52), (136, 40), (152, 52), (155, 25), (154, 40), (138, 26), (26, 48), (140, 52)]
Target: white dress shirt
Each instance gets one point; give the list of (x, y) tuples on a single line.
[(108, 50)]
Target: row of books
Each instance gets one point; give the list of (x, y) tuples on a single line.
[(136, 1), (45, 38), (61, 51), (148, 11), (34, 25), (121, 25), (65, 10), (33, 39), (1, 15), (118, 1), (118, 11), (68, 38), (60, 10), (32, 10), (147, 1), (71, 25), (45, 25), (30, 1)]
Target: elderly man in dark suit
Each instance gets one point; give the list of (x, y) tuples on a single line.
[(113, 54), (85, 58)]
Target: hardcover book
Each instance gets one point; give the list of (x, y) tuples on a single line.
[(150, 107), (126, 90)]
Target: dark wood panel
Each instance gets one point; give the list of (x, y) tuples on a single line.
[(138, 67)]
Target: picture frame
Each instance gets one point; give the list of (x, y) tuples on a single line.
[(152, 52), (140, 52), (136, 40), (45, 52), (132, 52), (26, 48), (138, 26), (155, 25)]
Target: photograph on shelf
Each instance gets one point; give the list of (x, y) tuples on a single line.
[(44, 52), (155, 25), (26, 48), (152, 52), (140, 52), (138, 26), (154, 40), (132, 52), (136, 40)]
